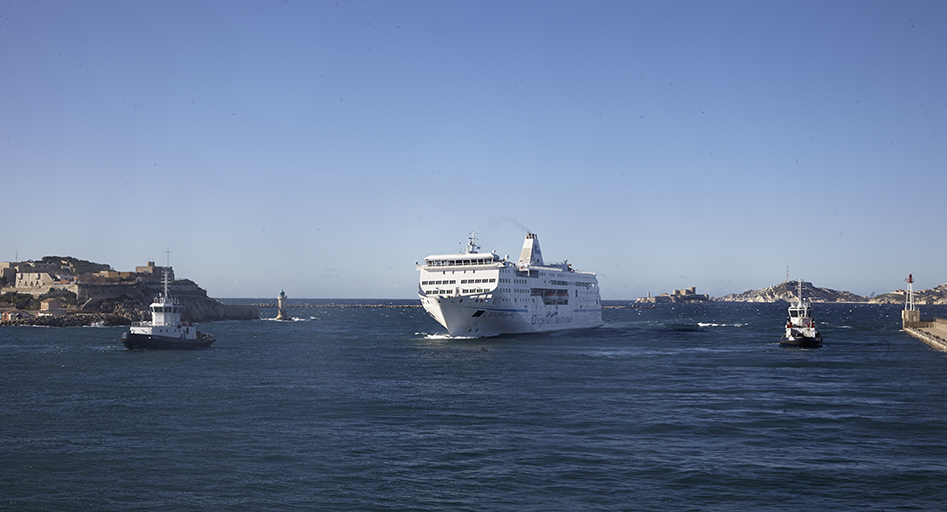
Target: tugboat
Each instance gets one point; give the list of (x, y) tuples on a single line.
[(165, 331), (800, 327)]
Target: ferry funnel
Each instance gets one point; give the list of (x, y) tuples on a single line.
[(531, 254)]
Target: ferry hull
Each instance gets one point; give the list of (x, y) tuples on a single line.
[(133, 341), (466, 317)]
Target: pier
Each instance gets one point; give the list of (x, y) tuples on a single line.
[(932, 331)]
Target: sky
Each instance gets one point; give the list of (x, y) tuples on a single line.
[(323, 148)]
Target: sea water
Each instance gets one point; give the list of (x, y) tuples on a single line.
[(679, 407)]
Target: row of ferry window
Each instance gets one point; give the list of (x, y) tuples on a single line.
[(458, 263), (462, 281), (567, 283), (463, 291)]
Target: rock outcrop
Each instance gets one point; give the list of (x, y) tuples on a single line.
[(787, 292)]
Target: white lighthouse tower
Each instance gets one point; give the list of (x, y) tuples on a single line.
[(910, 316), (281, 306)]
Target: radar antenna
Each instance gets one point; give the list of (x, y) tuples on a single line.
[(472, 247)]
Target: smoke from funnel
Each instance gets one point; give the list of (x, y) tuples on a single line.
[(509, 220)]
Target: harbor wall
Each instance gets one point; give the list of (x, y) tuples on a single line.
[(932, 331)]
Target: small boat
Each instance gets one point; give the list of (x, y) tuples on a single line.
[(165, 331), (800, 327)]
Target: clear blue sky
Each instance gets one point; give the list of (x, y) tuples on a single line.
[(322, 148)]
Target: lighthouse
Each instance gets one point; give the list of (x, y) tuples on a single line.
[(910, 317), (281, 306)]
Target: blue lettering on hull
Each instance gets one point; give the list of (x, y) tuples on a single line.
[(551, 319)]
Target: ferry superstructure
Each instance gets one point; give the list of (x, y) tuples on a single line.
[(474, 294)]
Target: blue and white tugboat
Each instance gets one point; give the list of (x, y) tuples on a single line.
[(800, 327), (165, 331)]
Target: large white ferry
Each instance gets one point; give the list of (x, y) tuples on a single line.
[(165, 331), (481, 294)]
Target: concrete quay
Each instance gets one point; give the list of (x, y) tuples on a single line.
[(931, 331)]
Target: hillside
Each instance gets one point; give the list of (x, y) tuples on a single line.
[(786, 291), (77, 266), (936, 295)]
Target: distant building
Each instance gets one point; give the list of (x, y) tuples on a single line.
[(31, 282), (150, 272), (8, 272), (683, 295), (51, 307), (14, 314)]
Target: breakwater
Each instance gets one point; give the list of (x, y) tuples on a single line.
[(932, 331), (266, 305), (263, 305)]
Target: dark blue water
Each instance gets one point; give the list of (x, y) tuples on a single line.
[(686, 407)]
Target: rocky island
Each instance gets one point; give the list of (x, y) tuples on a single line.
[(65, 291), (787, 292)]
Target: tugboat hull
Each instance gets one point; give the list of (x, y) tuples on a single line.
[(803, 341), (134, 341)]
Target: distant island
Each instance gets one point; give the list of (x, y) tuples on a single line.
[(787, 292), (66, 291), (685, 295)]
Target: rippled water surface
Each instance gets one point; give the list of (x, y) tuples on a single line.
[(680, 407)]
